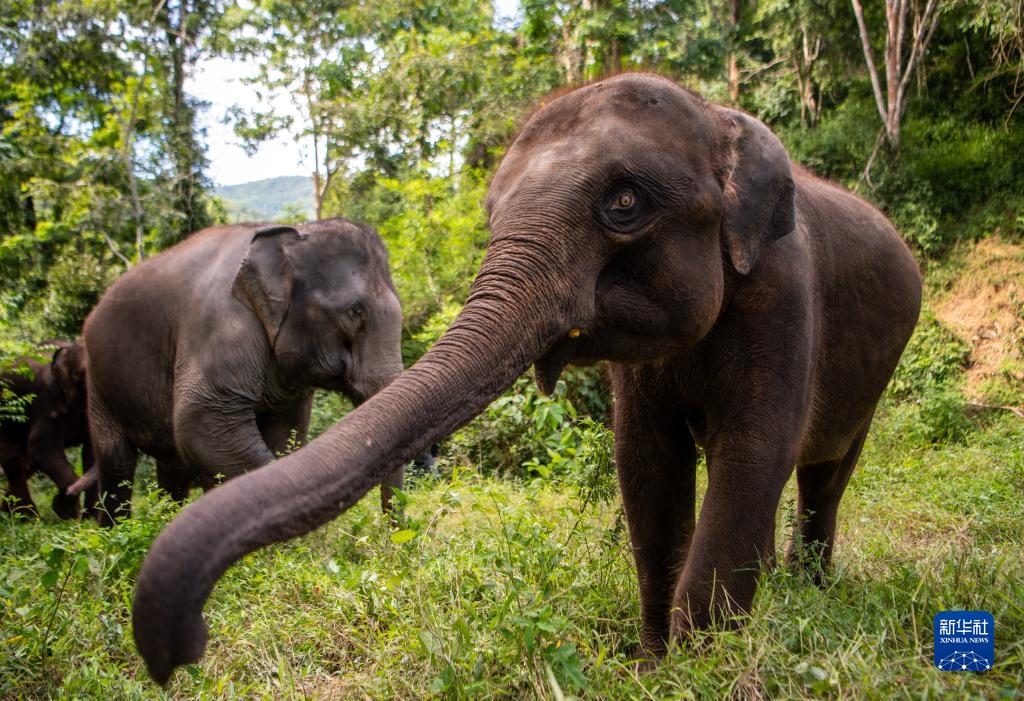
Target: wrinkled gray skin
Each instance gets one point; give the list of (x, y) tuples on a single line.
[(743, 305), (206, 355)]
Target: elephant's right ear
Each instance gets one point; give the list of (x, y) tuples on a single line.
[(264, 280)]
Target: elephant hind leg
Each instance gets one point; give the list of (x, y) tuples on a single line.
[(116, 458), (821, 486)]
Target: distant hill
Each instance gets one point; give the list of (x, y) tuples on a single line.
[(286, 197)]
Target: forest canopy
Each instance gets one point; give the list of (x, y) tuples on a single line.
[(409, 106)]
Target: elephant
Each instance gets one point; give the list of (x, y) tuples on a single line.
[(742, 304), (206, 355), (54, 421)]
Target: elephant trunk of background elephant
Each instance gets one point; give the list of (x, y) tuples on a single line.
[(517, 309), (378, 362)]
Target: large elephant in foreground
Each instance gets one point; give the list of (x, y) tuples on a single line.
[(206, 355), (54, 420), (744, 304)]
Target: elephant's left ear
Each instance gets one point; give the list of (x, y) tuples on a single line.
[(264, 279), (760, 206)]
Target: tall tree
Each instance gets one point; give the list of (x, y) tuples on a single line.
[(307, 52), (903, 52), (1003, 20), (183, 24)]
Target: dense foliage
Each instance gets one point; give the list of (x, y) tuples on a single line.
[(410, 105)]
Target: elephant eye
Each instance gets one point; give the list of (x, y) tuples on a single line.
[(624, 208), (356, 311), (624, 200)]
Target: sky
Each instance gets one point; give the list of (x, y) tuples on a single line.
[(218, 81)]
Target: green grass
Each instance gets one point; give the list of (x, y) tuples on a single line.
[(523, 589)]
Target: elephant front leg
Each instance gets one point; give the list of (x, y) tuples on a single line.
[(221, 441), (46, 450), (656, 461), (735, 533)]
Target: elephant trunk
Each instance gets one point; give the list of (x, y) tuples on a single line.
[(379, 363), (520, 305), (88, 479)]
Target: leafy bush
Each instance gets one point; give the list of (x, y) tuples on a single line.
[(74, 284), (524, 433), (434, 228), (328, 409), (838, 148), (939, 417), (924, 395), (932, 361), (13, 406), (952, 178)]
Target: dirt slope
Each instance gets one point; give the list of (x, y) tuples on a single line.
[(985, 306)]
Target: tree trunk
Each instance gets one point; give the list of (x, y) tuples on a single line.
[(613, 58), (731, 59), (182, 123), (897, 74), (318, 199)]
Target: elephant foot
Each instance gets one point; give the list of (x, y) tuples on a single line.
[(65, 506), (646, 656)]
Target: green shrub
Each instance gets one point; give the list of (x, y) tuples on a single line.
[(932, 361), (840, 145), (74, 284), (13, 406), (952, 178), (939, 417), (524, 433), (328, 409)]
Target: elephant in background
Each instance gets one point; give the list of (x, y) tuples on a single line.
[(743, 304), (206, 355), (54, 421)]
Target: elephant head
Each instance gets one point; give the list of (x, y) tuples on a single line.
[(324, 295), (620, 217), (68, 367)]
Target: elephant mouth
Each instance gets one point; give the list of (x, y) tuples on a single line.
[(549, 366)]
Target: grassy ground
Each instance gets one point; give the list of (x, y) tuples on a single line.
[(510, 589), (515, 590)]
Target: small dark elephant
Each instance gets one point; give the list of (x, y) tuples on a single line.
[(744, 305), (206, 355), (54, 421)]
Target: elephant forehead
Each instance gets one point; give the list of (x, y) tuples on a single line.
[(590, 131), (633, 103), (586, 163)]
